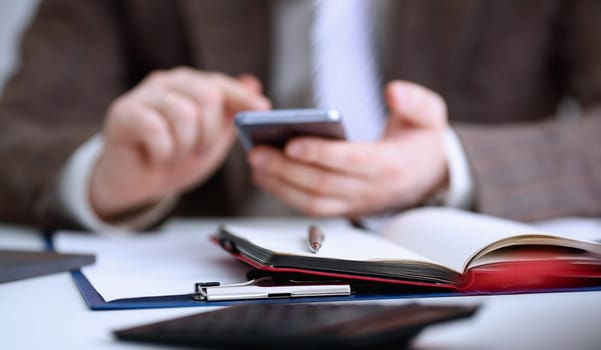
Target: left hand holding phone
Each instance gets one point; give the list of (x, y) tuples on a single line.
[(337, 178)]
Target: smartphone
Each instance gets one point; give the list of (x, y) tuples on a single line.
[(275, 128)]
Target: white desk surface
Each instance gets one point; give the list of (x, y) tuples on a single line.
[(48, 313)]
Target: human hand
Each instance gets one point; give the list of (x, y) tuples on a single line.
[(337, 178), (166, 135)]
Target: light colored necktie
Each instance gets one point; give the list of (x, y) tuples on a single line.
[(345, 76)]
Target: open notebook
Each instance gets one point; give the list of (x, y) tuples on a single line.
[(428, 246)]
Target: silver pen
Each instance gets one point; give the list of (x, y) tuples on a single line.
[(315, 238)]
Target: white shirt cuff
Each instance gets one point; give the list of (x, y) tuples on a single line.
[(73, 194), (461, 183)]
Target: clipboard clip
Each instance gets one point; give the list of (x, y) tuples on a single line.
[(264, 288)]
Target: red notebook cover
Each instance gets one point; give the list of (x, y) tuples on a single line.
[(547, 271)]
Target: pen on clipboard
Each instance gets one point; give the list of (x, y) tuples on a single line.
[(315, 238)]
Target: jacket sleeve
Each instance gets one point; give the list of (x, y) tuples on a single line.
[(73, 62), (553, 168)]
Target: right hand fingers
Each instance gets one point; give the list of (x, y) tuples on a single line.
[(216, 90), (251, 82), (131, 122), (181, 114), (194, 107), (216, 96)]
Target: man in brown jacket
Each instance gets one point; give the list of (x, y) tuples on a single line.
[(496, 70)]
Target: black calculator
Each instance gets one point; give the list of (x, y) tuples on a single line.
[(298, 326)]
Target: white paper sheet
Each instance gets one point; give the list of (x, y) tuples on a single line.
[(163, 263)]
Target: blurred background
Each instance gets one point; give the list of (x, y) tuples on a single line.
[(14, 16)]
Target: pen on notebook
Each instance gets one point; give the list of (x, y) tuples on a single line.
[(315, 238)]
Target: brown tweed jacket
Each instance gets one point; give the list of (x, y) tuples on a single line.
[(502, 66)]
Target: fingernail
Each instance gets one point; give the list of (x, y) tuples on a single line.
[(295, 150), (261, 103), (398, 91)]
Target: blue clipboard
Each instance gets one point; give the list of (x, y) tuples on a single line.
[(95, 301)]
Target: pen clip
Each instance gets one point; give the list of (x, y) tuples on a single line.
[(201, 288), (252, 289)]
